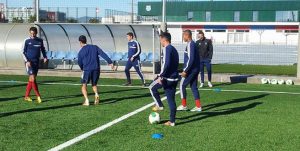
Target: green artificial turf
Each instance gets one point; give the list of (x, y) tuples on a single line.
[(229, 121)]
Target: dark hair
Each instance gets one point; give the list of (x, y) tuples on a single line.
[(130, 34), (189, 32), (34, 29), (82, 39), (166, 35), (201, 32)]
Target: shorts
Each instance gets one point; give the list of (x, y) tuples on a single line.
[(33, 69), (90, 75)]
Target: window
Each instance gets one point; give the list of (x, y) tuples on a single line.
[(236, 16), (207, 30), (208, 16), (286, 16), (255, 16), (190, 16), (219, 30)]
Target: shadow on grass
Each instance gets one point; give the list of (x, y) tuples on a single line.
[(205, 115), (38, 109), (9, 99), (11, 85), (132, 97)]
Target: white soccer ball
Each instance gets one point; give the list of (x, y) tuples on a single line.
[(289, 82), (265, 81), (274, 81), (154, 118), (281, 82)]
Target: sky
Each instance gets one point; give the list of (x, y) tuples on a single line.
[(121, 5)]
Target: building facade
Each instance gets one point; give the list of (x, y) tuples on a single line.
[(222, 11)]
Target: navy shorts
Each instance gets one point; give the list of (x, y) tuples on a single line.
[(92, 75), (33, 69)]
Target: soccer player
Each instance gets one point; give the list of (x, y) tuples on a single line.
[(88, 61), (205, 49), (167, 79), (134, 51), (190, 73), (33, 46)]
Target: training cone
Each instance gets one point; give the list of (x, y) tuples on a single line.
[(157, 136)]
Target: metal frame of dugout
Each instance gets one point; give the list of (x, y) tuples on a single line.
[(61, 42)]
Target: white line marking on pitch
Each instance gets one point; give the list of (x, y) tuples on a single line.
[(101, 128), (120, 86)]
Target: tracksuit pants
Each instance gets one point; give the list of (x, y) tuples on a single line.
[(137, 66), (170, 90), (207, 64), (192, 80)]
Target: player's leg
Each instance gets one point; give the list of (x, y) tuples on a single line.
[(154, 86), (35, 69), (138, 69), (201, 74), (85, 79), (208, 68), (95, 79), (194, 88), (170, 91), (183, 84), (127, 72), (29, 85)]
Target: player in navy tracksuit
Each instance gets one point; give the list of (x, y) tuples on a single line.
[(33, 46), (167, 78), (134, 51), (190, 72), (88, 61)]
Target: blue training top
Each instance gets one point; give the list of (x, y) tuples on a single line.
[(191, 58), (169, 68), (134, 49), (32, 49), (88, 57)]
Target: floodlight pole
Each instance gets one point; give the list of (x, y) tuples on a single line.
[(37, 11), (163, 26), (298, 62)]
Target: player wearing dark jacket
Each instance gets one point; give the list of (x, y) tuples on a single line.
[(88, 61), (205, 49), (167, 79), (32, 49)]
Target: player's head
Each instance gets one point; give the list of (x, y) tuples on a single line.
[(165, 38), (201, 34), (82, 40), (33, 32), (187, 35), (129, 36)]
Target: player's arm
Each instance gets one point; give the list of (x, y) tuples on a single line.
[(166, 63), (138, 48), (102, 54), (191, 53), (24, 51), (210, 49), (80, 58), (43, 49)]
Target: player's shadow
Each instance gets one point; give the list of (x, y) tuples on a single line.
[(79, 95), (206, 113), (39, 109), (131, 97), (239, 100), (9, 99), (221, 112), (12, 85)]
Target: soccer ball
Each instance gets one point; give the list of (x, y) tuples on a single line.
[(289, 82), (281, 82), (265, 81), (274, 81), (154, 118)]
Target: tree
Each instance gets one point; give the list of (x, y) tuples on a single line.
[(72, 20), (32, 19), (94, 20), (17, 20)]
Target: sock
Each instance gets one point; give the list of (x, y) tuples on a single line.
[(96, 94), (36, 89), (183, 102), (28, 89), (198, 103)]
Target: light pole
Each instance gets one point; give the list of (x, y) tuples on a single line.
[(163, 26), (37, 11)]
